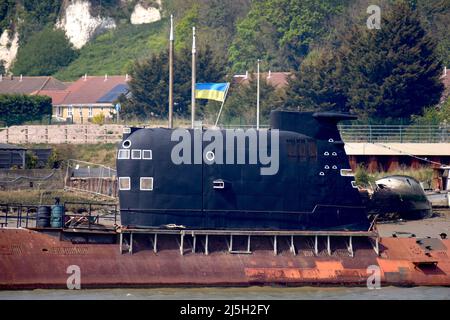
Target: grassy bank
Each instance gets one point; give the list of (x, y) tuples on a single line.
[(104, 154), (36, 197), (115, 51), (364, 178)]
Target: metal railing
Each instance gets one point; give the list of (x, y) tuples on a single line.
[(395, 133), (89, 216)]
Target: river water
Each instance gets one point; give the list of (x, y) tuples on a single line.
[(252, 293)]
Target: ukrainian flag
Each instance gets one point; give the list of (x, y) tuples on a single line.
[(211, 91)]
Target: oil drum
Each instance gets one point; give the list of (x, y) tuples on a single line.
[(43, 217), (57, 216)]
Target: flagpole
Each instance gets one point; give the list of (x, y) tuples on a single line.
[(257, 97), (194, 75), (221, 107), (171, 41)]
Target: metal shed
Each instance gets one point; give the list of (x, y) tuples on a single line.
[(11, 156)]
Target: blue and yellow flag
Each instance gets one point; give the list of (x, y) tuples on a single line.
[(211, 91)]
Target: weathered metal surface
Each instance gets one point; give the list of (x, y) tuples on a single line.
[(29, 259)]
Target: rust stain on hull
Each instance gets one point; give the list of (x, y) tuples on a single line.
[(30, 259)]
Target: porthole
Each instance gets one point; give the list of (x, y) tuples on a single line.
[(126, 144), (334, 154), (327, 167), (147, 154), (124, 154), (146, 184), (124, 183), (322, 174), (331, 140), (136, 154), (335, 167), (326, 154)]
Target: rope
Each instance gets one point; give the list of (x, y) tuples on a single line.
[(408, 154)]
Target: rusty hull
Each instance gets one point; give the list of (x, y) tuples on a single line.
[(30, 259)]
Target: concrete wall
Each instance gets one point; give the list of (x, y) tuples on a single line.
[(398, 149), (72, 134)]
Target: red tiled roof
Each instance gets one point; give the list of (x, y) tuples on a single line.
[(57, 96), (276, 79), (88, 90), (27, 85)]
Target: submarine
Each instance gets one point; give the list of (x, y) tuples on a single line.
[(310, 187)]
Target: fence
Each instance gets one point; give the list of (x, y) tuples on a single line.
[(76, 215), (395, 133), (32, 179), (91, 178), (94, 134)]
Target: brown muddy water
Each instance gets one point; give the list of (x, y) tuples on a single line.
[(252, 293)]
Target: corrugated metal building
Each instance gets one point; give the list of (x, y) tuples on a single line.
[(11, 156)]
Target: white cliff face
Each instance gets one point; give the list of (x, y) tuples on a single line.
[(143, 15), (8, 48), (80, 26)]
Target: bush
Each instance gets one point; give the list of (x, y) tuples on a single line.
[(17, 109), (99, 119), (31, 160), (362, 177)]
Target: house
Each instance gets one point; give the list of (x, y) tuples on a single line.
[(29, 85), (279, 80), (89, 97)]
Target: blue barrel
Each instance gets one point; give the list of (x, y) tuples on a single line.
[(43, 217), (57, 216)]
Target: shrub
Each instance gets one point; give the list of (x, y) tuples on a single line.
[(17, 109)]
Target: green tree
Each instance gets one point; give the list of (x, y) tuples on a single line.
[(150, 83), (393, 72), (281, 32), (2, 67), (317, 86), (45, 53), (439, 115), (436, 18), (7, 11), (17, 109), (240, 107)]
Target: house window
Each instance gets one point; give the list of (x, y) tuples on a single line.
[(147, 155), (124, 154), (81, 111), (146, 184), (70, 111), (125, 183), (136, 154), (91, 112)]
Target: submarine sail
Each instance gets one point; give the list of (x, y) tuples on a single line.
[(293, 177)]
